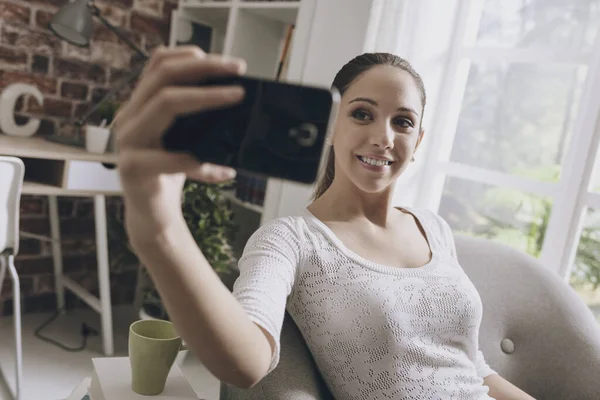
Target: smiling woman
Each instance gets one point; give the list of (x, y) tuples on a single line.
[(406, 116)]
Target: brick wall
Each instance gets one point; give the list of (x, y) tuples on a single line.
[(72, 79)]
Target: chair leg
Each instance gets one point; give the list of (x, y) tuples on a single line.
[(17, 322), (2, 272)]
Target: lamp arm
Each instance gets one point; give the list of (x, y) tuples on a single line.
[(96, 12), (114, 90)]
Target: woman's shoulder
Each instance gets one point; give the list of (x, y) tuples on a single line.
[(284, 230), (433, 220)]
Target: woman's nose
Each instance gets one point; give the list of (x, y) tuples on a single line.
[(383, 136)]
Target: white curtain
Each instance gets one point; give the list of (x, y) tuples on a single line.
[(419, 31)]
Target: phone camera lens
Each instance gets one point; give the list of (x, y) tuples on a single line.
[(305, 134)]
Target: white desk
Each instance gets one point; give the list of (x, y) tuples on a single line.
[(52, 170)]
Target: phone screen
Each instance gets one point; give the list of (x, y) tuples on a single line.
[(278, 130)]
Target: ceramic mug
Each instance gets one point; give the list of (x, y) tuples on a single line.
[(153, 347)]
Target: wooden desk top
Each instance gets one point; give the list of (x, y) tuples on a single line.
[(38, 147)]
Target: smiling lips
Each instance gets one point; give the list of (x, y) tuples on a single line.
[(374, 164)]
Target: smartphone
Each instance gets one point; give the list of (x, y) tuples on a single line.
[(278, 130)]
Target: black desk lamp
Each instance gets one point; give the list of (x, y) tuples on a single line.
[(74, 24)]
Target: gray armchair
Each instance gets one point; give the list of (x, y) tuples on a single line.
[(536, 332)]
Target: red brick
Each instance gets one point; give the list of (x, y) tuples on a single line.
[(168, 8), (14, 14), (15, 57), (37, 225), (149, 7), (116, 55), (20, 103), (118, 75), (40, 64), (29, 265), (98, 93), (78, 70), (48, 3), (115, 15), (26, 286), (77, 226), (126, 4), (78, 53), (43, 18), (33, 205), (103, 34), (83, 208), (47, 127), (81, 109), (79, 245), (152, 42), (30, 247), (79, 262), (67, 128), (65, 206), (73, 91), (87, 279), (52, 106), (148, 25), (41, 42), (43, 284), (45, 84)]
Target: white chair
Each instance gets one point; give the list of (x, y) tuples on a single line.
[(12, 172)]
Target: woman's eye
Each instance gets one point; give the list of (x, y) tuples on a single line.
[(361, 115), (403, 123)]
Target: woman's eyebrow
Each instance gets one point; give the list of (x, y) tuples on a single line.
[(373, 102)]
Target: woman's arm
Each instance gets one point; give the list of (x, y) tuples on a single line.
[(501, 389), (209, 318)]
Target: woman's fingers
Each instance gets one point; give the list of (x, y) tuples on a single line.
[(146, 128), (138, 163), (181, 69)]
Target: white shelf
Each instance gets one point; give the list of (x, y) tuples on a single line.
[(255, 31), (206, 4), (282, 11), (285, 12), (253, 207), (215, 15)]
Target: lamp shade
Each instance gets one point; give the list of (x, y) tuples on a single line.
[(73, 23)]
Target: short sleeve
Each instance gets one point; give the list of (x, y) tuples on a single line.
[(483, 369), (267, 273)]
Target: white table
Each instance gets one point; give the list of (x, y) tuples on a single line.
[(53, 170)]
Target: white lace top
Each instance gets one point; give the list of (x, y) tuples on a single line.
[(375, 331)]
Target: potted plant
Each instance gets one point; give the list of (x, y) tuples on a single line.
[(98, 136), (106, 111), (209, 217)]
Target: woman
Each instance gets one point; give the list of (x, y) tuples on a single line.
[(377, 292)]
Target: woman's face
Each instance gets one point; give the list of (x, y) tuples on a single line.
[(378, 128)]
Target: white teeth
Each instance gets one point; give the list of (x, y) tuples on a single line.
[(371, 161)]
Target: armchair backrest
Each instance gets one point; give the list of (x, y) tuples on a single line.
[(536, 332)]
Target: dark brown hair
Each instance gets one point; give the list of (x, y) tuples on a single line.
[(342, 81)]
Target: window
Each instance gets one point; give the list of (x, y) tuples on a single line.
[(516, 133)]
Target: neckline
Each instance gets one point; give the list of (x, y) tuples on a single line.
[(382, 268)]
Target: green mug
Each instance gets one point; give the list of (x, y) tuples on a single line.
[(153, 347)]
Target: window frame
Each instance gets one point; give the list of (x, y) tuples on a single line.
[(571, 196)]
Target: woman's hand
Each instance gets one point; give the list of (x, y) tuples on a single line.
[(153, 178)]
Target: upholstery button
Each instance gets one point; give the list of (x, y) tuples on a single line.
[(507, 346)]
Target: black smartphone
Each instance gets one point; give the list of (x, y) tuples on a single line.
[(278, 130)]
